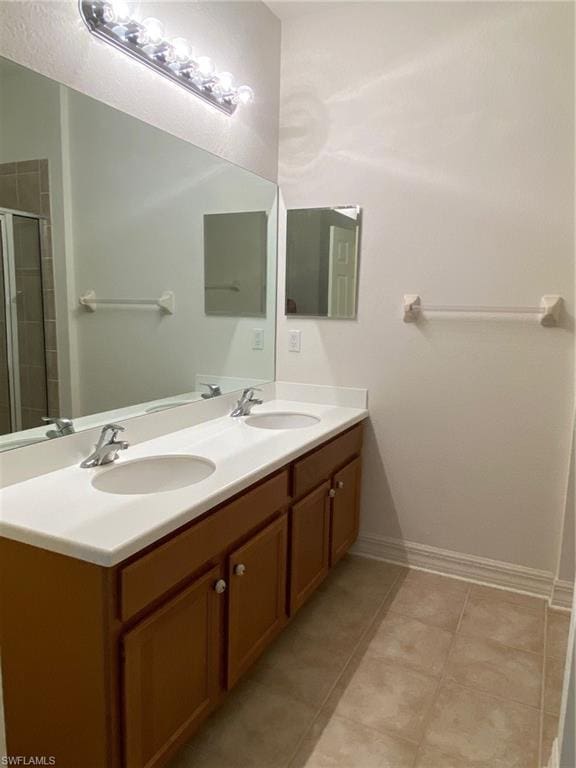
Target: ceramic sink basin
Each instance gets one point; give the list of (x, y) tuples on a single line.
[(153, 474), (281, 420)]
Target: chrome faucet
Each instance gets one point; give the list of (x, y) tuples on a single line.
[(213, 391), (244, 405), (63, 426), (107, 447)]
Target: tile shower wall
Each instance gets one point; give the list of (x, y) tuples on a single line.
[(25, 186)]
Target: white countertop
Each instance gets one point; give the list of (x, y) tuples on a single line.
[(62, 511)]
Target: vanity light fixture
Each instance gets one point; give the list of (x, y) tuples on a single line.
[(114, 22)]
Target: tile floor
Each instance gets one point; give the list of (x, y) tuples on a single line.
[(393, 668)]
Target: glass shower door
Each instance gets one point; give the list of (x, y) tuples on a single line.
[(6, 373), (23, 375)]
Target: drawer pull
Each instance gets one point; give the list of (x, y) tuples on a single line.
[(220, 586), (332, 493), (240, 569), (340, 484)]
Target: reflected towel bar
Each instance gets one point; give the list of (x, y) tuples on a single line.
[(165, 303), (550, 309), (235, 286)]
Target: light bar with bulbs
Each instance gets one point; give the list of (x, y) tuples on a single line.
[(113, 22)]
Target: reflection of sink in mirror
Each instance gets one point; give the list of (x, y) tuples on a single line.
[(166, 406), (153, 474), (281, 420)]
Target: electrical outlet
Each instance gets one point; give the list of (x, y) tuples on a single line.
[(258, 338), (294, 338)]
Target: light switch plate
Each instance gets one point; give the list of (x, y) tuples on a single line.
[(258, 338), (294, 339)]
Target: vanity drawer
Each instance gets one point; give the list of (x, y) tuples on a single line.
[(154, 574), (310, 471)]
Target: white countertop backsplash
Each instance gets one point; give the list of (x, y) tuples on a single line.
[(61, 511)]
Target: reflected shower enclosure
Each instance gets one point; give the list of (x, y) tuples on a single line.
[(23, 354)]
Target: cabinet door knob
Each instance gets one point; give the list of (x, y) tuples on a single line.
[(332, 493), (220, 586), (240, 569), (340, 484)]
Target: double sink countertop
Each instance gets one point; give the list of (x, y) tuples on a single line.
[(63, 512)]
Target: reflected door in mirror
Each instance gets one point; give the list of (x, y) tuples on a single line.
[(322, 247)]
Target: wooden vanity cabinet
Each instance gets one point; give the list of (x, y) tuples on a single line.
[(118, 667), (310, 545), (171, 672), (345, 509), (325, 521), (257, 598)]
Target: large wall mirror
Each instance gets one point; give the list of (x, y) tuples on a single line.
[(322, 249), (136, 269)]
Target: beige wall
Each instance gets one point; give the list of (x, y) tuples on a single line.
[(451, 124), (241, 37)]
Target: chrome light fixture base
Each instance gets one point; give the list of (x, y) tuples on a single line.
[(130, 36)]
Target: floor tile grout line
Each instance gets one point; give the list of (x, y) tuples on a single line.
[(400, 612), (442, 676), (543, 691), (500, 645), (351, 655)]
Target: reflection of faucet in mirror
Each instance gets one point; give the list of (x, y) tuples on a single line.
[(213, 391), (244, 405), (63, 426), (107, 447)]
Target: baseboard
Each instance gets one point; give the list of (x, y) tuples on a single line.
[(562, 594), (469, 567)]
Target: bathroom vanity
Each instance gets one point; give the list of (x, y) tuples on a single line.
[(114, 654)]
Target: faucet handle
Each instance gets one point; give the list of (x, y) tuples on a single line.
[(249, 391), (213, 389), (113, 428), (57, 420)]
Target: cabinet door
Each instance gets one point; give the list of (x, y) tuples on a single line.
[(171, 673), (257, 599), (345, 509), (310, 550)]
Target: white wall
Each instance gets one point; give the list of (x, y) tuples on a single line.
[(241, 37), (451, 124), (138, 197)]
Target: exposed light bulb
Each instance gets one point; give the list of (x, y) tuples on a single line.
[(108, 13), (206, 67), (121, 11), (120, 32), (182, 49), (166, 54), (154, 29), (225, 82), (139, 36), (244, 95)]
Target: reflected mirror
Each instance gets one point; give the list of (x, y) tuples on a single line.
[(322, 248), (136, 269)]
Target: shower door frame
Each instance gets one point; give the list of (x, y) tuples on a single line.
[(10, 300)]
